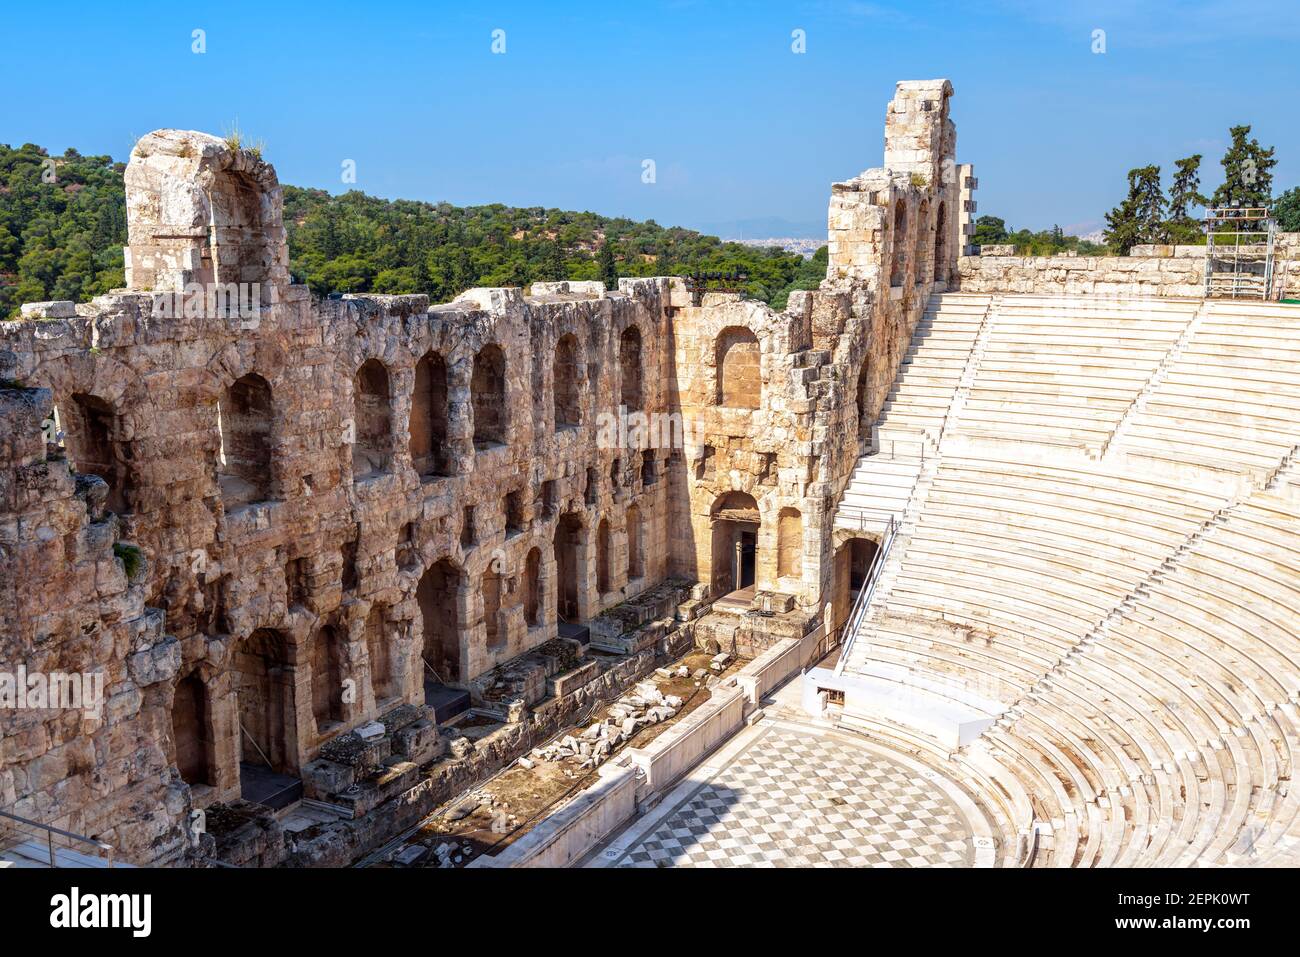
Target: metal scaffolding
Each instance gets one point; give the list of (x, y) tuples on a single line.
[(1239, 252)]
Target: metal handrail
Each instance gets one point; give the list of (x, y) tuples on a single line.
[(860, 604), (106, 850)]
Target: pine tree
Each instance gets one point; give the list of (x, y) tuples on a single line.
[(1140, 218), (607, 266), (1247, 172), (1287, 210), (1183, 195)]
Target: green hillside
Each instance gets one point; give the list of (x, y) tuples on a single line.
[(63, 226)]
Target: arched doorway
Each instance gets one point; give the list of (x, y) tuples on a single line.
[(735, 522), (191, 730), (438, 598), (570, 562), (265, 688)]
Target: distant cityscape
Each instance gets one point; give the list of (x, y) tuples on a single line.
[(804, 247)]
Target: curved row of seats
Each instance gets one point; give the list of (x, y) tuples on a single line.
[(1066, 369), (1232, 397), (1141, 638)]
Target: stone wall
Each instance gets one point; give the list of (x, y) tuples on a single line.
[(1147, 271), (306, 506)]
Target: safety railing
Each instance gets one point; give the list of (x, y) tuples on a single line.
[(863, 601), (18, 831)]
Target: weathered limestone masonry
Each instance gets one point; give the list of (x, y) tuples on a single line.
[(776, 459), (266, 519), (1146, 271)]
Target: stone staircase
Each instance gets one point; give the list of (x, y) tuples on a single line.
[(930, 383)]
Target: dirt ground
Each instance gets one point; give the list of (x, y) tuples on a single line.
[(519, 796)]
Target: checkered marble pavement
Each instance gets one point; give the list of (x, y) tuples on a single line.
[(800, 800)]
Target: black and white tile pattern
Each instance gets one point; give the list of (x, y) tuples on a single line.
[(793, 800)]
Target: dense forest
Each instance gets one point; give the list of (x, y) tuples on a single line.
[(63, 226)]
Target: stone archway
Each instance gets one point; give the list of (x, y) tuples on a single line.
[(735, 523)]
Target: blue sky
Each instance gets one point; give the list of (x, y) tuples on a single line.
[(744, 132)]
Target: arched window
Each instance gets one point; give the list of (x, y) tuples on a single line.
[(898, 268), (429, 417), (244, 418), (488, 394), (567, 394), (372, 419), (327, 678), (492, 607), (635, 561), (90, 437), (532, 587), (789, 544), (922, 245), (629, 364), (740, 384), (382, 683), (239, 248), (190, 724), (940, 250), (602, 557)]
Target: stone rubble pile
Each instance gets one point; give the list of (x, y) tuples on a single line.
[(646, 705)]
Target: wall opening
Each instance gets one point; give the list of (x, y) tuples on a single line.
[(940, 251), (533, 587), (488, 396), (492, 607), (437, 595), (922, 260), (265, 687), (429, 453), (789, 543), (735, 522), (244, 417), (649, 472), (629, 364), (569, 564), (90, 439), (567, 394), (238, 248), (862, 553), (635, 559), (378, 648), (864, 383), (603, 579), (372, 419), (739, 375), (513, 507), (327, 678), (898, 264), (190, 724)]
